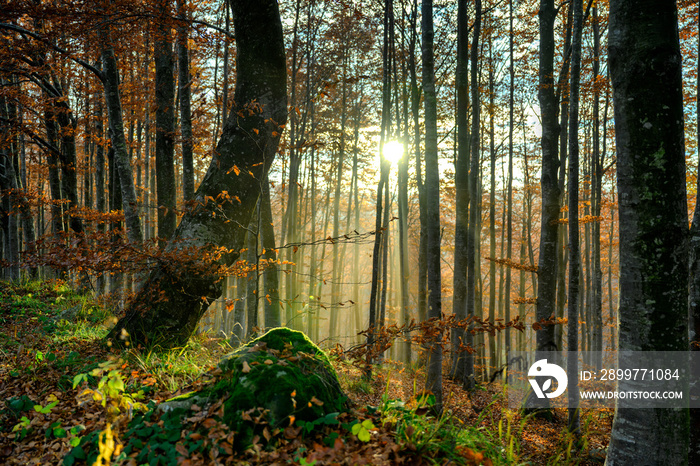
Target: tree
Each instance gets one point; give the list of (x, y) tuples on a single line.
[(184, 80), (459, 301), (574, 247), (546, 278), (432, 202), (474, 196), (165, 125), (172, 300), (645, 68)]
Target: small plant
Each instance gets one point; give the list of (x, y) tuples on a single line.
[(362, 429), (111, 391), (22, 427)]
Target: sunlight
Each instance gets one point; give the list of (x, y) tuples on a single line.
[(393, 151)]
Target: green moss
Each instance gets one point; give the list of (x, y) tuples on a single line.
[(275, 380), (282, 372)]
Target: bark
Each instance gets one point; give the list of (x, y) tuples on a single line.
[(121, 155), (562, 250), (574, 248), (68, 157), (169, 305), (53, 161), (165, 128), (253, 278), (509, 202), (694, 290), (597, 193), (432, 203), (415, 112), (546, 286), (474, 196), (271, 297), (335, 287), (645, 68), (459, 283), (184, 82), (493, 351), (8, 188)]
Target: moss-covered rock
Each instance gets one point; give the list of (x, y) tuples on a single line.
[(261, 389), (271, 381), (282, 372)]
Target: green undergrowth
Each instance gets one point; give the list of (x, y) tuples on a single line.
[(278, 392), (279, 385), (177, 368)]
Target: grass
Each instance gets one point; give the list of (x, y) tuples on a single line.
[(177, 368)]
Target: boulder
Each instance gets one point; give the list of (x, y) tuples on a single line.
[(273, 380)]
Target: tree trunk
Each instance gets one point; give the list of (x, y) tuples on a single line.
[(253, 277), (596, 192), (509, 195), (546, 286), (574, 248), (459, 283), (474, 195), (169, 305), (645, 68), (432, 203), (335, 287), (694, 290), (271, 297), (165, 127), (493, 338), (184, 80), (121, 156)]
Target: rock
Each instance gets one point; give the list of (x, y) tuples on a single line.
[(259, 393), (275, 379)]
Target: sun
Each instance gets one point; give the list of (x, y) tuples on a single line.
[(393, 151)]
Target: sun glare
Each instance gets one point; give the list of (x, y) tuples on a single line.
[(393, 151)]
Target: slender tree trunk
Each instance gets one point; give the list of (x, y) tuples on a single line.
[(574, 248), (8, 187), (645, 68), (253, 276), (546, 277), (459, 284), (271, 297), (335, 287), (239, 314), (184, 81), (562, 250), (432, 203), (509, 195), (165, 127), (415, 107), (493, 347), (474, 194), (52, 159), (121, 154)]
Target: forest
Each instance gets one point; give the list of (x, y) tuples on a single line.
[(333, 231)]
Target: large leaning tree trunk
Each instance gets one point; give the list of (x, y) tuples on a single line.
[(166, 309), (645, 67)]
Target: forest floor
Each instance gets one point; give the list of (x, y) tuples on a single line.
[(49, 335)]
